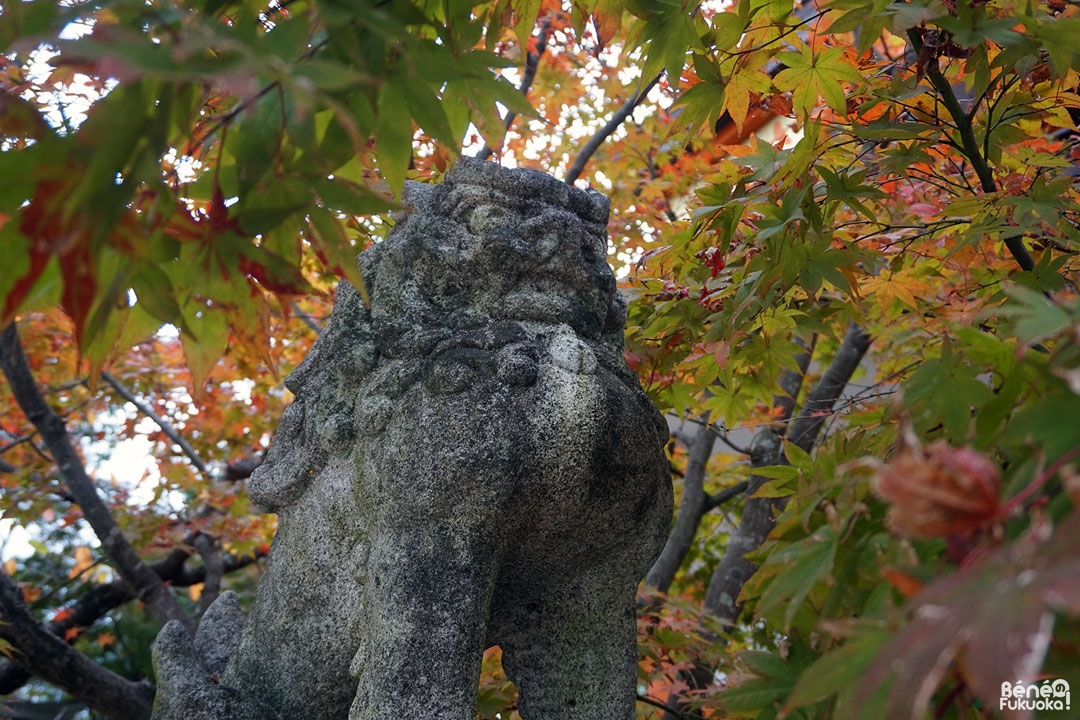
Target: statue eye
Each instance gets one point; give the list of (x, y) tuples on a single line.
[(593, 247), (485, 218)]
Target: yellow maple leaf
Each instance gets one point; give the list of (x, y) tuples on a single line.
[(737, 93)]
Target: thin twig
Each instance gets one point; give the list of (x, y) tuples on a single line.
[(228, 117), (166, 427), (720, 431), (1021, 497), (969, 145), (28, 437), (532, 62), (722, 435), (659, 704), (308, 320)]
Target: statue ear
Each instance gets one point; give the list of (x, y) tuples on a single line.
[(416, 196), (615, 322)]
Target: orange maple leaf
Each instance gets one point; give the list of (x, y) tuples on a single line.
[(889, 286), (106, 639), (30, 594), (61, 615), (908, 585), (72, 632)]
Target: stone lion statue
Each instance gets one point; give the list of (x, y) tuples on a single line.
[(468, 462)]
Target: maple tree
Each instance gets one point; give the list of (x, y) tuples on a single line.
[(794, 187)]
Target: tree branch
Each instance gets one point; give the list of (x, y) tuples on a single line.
[(215, 568), (308, 320), (532, 63), (242, 468), (722, 434), (594, 143), (161, 422), (223, 121), (819, 405), (759, 514), (49, 657), (691, 510), (146, 584), (714, 501), (968, 143), (89, 608), (102, 599), (657, 704), (791, 383)]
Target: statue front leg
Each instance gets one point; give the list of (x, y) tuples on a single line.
[(573, 651), (424, 618)]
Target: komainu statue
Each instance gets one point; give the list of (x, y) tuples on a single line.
[(468, 462)]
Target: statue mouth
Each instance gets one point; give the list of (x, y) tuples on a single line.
[(550, 306)]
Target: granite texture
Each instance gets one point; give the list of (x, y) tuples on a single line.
[(468, 462)]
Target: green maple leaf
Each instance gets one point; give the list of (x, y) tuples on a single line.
[(811, 75)]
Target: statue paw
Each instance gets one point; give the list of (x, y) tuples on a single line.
[(188, 672)]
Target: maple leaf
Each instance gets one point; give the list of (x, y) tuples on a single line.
[(888, 286), (992, 619), (810, 75), (61, 615), (606, 18), (939, 490), (738, 90), (72, 633), (906, 584), (195, 591), (105, 639), (84, 560)]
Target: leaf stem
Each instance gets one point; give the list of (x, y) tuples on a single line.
[(166, 427), (1045, 476)]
